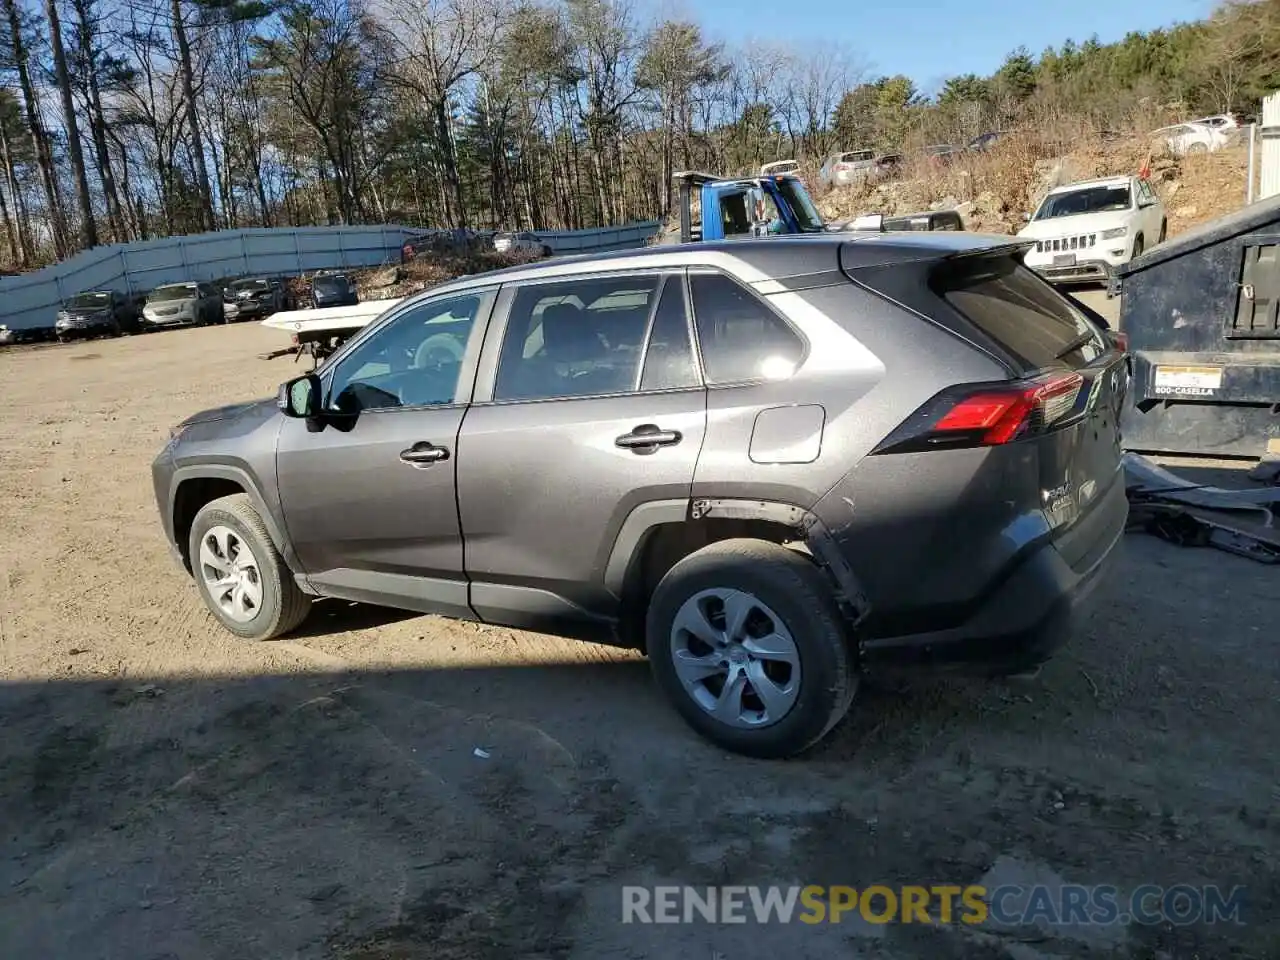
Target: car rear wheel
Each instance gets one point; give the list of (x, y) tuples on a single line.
[(1164, 231), (746, 641), (1138, 247), (241, 576)]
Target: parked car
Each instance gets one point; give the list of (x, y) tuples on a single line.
[(1085, 230), (941, 153), (842, 169), (524, 240), (1183, 139), (449, 241), (767, 485), (96, 313), (333, 290), (182, 304), (780, 166), (1225, 122), (254, 298), (984, 141), (888, 165), (16, 335)]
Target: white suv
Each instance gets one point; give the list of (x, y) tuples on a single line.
[(1085, 230)]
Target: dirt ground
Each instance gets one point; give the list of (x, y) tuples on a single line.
[(168, 792)]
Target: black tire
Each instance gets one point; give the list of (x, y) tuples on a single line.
[(64, 339), (793, 587), (1164, 231), (284, 605), (1138, 247)]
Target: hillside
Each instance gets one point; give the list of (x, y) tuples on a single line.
[(992, 191)]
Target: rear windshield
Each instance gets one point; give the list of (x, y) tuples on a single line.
[(1021, 312), (858, 155)]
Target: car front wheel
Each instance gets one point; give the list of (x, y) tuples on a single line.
[(241, 576), (746, 640)]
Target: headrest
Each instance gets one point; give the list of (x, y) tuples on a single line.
[(566, 336)]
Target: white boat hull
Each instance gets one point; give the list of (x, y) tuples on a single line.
[(329, 320)]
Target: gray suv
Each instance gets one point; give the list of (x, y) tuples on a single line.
[(770, 464)]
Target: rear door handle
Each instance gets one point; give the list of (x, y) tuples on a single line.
[(647, 437), (424, 453)]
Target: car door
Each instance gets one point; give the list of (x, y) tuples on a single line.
[(370, 504), (588, 407), (1152, 213)]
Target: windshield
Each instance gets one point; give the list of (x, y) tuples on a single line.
[(797, 197), (250, 285), (176, 291), (88, 301), (329, 285), (1089, 200)]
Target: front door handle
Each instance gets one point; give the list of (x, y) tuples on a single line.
[(647, 438), (423, 453)]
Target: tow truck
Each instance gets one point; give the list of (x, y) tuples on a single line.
[(762, 206)]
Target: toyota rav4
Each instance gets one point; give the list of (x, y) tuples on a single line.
[(769, 464)]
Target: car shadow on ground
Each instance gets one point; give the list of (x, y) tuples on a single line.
[(496, 812), (330, 616)]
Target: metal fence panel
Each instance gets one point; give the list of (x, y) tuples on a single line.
[(1270, 133), (31, 300)]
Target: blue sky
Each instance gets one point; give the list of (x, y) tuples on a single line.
[(930, 40)]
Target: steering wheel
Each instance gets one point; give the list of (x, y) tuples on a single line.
[(438, 350)]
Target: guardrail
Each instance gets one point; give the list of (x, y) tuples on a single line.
[(32, 300)]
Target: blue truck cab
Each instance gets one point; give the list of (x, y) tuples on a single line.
[(744, 207), (720, 208)]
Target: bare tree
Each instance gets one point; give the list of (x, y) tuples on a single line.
[(88, 226), (35, 128), (437, 45)]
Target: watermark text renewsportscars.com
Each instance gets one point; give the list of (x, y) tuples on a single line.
[(1013, 905)]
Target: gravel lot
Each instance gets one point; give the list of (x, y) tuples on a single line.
[(166, 792)]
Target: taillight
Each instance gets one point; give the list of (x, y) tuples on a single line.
[(986, 415), (1121, 341), (841, 167)]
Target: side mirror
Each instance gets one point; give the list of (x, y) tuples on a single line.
[(300, 397)]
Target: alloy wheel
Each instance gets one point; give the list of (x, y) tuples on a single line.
[(230, 573)]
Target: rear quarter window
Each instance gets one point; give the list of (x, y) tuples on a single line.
[(1021, 312)]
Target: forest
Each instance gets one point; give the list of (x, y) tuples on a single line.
[(130, 119)]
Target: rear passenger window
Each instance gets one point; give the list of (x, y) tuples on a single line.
[(590, 338), (1021, 312), (740, 337), (668, 359)]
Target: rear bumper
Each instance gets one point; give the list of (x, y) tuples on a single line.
[(1033, 610)]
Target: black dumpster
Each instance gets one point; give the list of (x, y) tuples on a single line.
[(1200, 315)]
